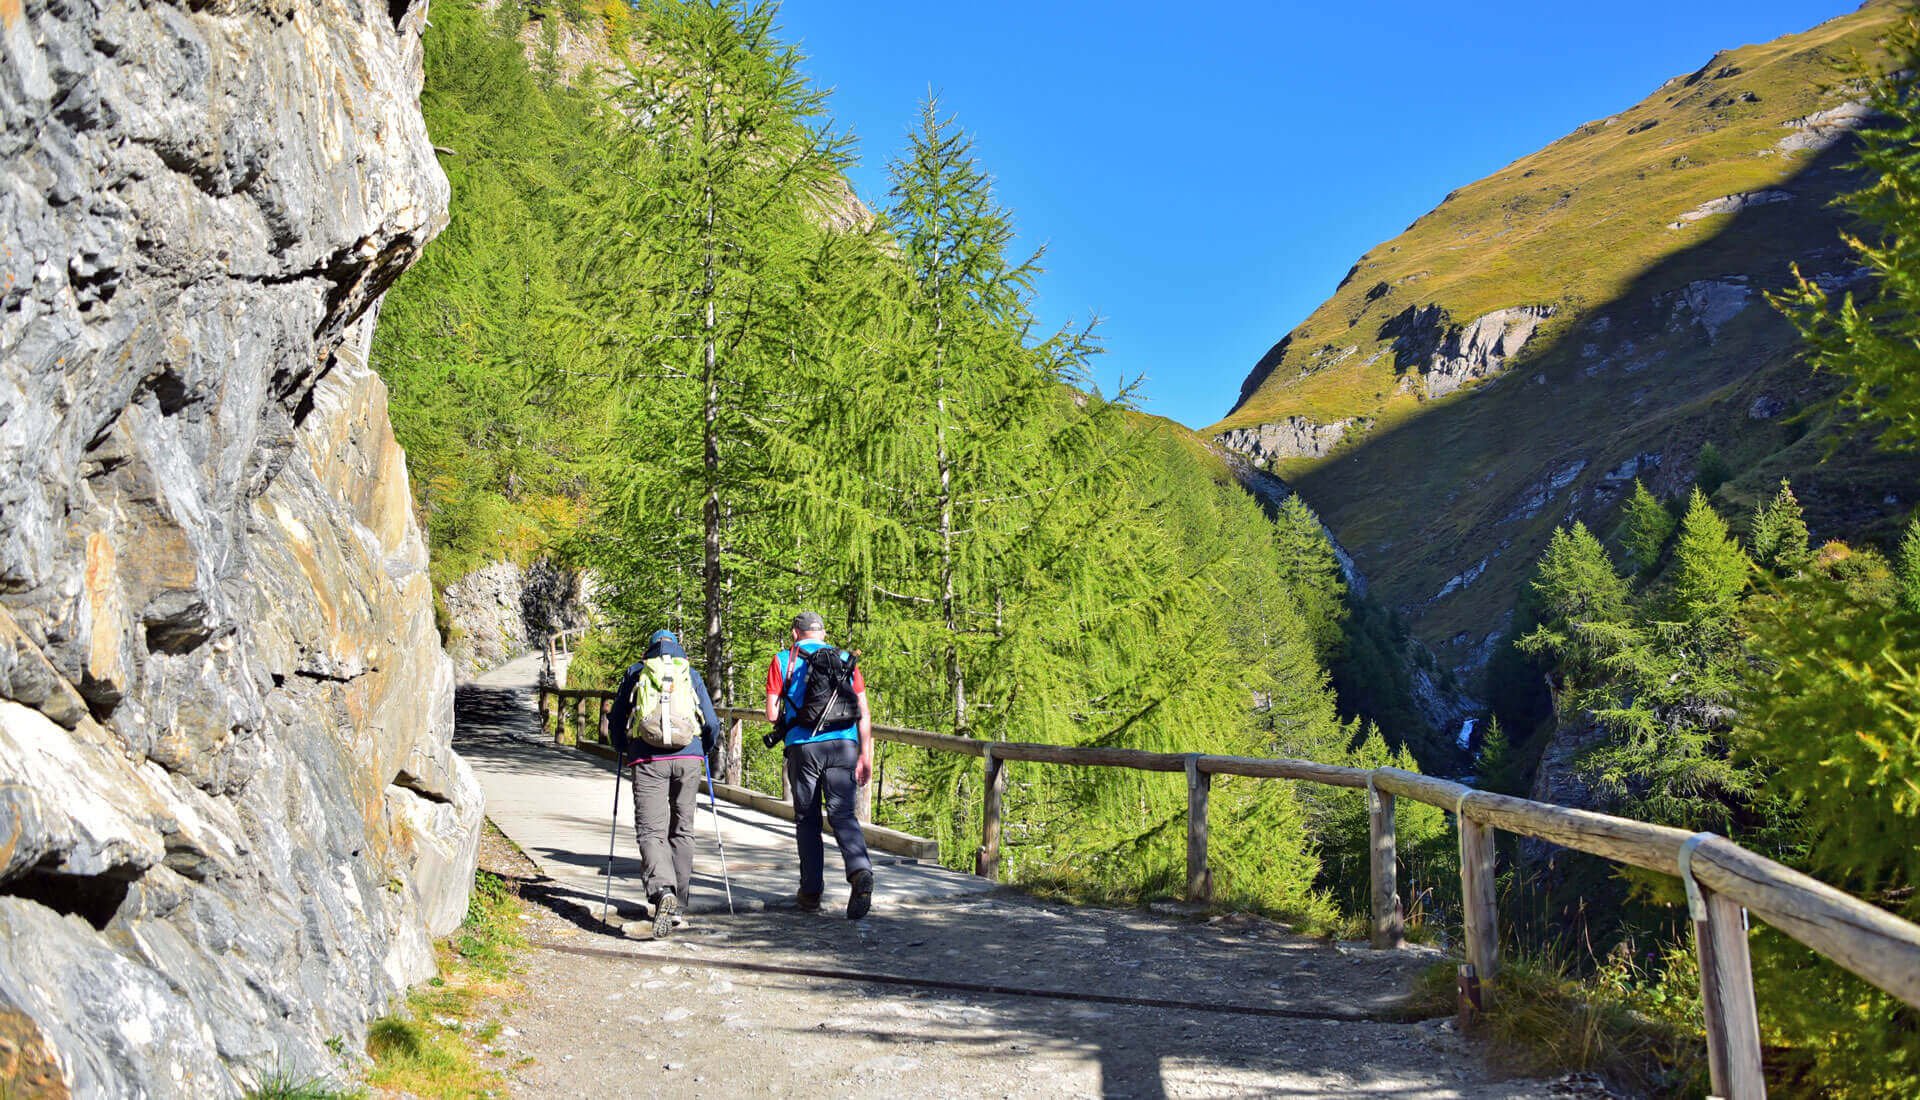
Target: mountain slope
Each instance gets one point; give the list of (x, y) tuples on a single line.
[(1589, 314)]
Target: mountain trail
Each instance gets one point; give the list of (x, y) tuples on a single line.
[(943, 990)]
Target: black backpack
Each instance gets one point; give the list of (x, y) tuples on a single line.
[(828, 700)]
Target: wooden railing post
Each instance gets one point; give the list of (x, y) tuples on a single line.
[(1199, 875), (987, 863), (1726, 987), (1479, 913), (735, 757), (540, 710), (1389, 926)]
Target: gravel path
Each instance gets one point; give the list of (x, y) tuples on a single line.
[(994, 994)]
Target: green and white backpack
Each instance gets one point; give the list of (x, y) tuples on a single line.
[(665, 713)]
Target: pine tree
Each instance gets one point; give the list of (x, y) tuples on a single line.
[(1496, 765), (1311, 571), (1710, 571), (1583, 606), (1778, 533), (1907, 569), (1646, 527), (1872, 339), (1667, 697), (698, 214)]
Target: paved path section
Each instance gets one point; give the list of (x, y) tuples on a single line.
[(951, 987)]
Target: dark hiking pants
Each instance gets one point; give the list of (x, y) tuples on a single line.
[(666, 795), (822, 771)]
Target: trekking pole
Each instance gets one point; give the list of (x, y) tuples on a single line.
[(613, 832), (714, 809)]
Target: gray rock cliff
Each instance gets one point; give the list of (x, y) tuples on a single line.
[(233, 820)]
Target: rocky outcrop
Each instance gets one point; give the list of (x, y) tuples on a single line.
[(1824, 129), (1294, 437), (1732, 204), (233, 817), (1438, 358), (502, 611)]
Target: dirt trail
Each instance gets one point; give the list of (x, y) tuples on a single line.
[(920, 1000)]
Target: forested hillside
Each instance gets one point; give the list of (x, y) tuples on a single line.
[(653, 343)]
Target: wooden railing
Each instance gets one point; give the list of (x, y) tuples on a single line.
[(558, 645), (566, 718), (1721, 877)]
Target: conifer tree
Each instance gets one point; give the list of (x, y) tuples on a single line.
[(1778, 533), (1907, 568), (1872, 339), (1667, 700), (1709, 569), (1308, 565), (1496, 766), (698, 217), (1646, 526), (1583, 607)]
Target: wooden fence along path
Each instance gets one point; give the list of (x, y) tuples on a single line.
[(1723, 881)]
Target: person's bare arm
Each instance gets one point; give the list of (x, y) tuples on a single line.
[(773, 707), (863, 770)]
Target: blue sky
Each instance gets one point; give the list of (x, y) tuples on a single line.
[(1203, 174)]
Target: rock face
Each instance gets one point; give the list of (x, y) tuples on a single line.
[(502, 611), (233, 817), (1440, 357), (1294, 437)]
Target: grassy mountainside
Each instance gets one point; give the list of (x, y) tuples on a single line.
[(1591, 313)]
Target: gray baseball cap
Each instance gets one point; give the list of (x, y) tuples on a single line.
[(809, 620)]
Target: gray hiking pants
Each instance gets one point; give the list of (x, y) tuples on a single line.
[(666, 795), (823, 772)]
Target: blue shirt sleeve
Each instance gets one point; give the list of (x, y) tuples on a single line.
[(709, 720), (622, 709)]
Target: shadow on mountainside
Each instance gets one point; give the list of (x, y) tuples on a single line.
[(1447, 510)]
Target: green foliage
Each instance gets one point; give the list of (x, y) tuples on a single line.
[(1496, 766), (1310, 569), (1873, 339), (1829, 711), (1778, 534), (1657, 671), (1635, 1018), (1581, 602), (1908, 574), (471, 342), (282, 1085), (489, 936), (1646, 526), (1711, 470)]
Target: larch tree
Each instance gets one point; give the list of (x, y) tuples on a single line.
[(701, 220)]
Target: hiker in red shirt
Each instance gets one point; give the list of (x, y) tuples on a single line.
[(818, 698)]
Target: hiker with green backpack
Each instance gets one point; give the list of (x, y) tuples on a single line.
[(664, 727)]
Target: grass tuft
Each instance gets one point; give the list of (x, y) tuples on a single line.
[(428, 1049), (1635, 1021)]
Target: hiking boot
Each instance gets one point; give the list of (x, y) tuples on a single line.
[(862, 897), (666, 915), (806, 903)]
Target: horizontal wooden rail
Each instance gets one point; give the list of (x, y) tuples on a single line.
[(1875, 944)]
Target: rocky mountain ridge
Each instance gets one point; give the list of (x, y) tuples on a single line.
[(234, 818)]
